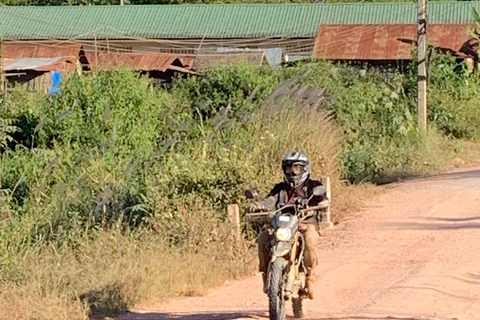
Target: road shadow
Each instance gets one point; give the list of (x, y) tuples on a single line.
[(386, 179), (431, 226), (469, 174), (259, 315), (107, 302), (472, 174), (372, 318), (410, 177), (437, 223), (221, 315), (460, 219)]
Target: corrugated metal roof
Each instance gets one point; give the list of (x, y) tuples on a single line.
[(20, 50), (212, 20), (41, 53), (388, 41), (40, 64), (135, 61)]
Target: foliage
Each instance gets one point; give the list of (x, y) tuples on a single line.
[(7, 128), (378, 113), (454, 104), (237, 87), (374, 113), (452, 100), (110, 150), (112, 159)]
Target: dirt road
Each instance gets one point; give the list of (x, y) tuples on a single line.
[(412, 253)]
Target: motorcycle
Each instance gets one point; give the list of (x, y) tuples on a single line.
[(286, 275)]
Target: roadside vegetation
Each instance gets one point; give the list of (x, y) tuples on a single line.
[(114, 192)]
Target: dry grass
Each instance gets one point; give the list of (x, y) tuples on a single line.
[(438, 154), (108, 274), (467, 154), (111, 271)]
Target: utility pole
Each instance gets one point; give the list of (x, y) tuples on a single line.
[(2, 73), (422, 64)]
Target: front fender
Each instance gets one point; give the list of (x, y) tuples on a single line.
[(280, 249)]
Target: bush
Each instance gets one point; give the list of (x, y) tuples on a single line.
[(453, 106), (237, 87)]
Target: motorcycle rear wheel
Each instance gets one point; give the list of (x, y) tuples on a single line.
[(276, 297)]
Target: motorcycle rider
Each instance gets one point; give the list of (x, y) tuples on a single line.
[(296, 187)]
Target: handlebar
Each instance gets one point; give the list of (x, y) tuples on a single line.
[(271, 213)]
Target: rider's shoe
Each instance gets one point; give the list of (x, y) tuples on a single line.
[(265, 284), (311, 290)]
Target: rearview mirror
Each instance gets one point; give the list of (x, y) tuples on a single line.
[(319, 191), (251, 193)]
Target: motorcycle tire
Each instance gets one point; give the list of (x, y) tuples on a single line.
[(276, 298), (297, 308)]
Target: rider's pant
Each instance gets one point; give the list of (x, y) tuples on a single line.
[(311, 237)]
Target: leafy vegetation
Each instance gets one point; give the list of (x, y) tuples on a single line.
[(114, 174)]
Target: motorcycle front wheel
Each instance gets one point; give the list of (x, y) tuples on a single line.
[(297, 308), (276, 296)]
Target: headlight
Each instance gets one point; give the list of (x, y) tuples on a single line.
[(283, 234)]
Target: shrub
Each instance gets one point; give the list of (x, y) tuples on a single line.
[(453, 106), (238, 87)]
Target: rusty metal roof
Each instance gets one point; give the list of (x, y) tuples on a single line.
[(40, 64), (148, 61), (387, 41), (25, 50)]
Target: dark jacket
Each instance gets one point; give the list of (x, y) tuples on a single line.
[(282, 194)]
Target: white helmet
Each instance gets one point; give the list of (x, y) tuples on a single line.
[(295, 178)]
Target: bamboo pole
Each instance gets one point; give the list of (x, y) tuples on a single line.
[(233, 212)]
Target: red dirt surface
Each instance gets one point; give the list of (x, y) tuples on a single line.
[(412, 253)]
